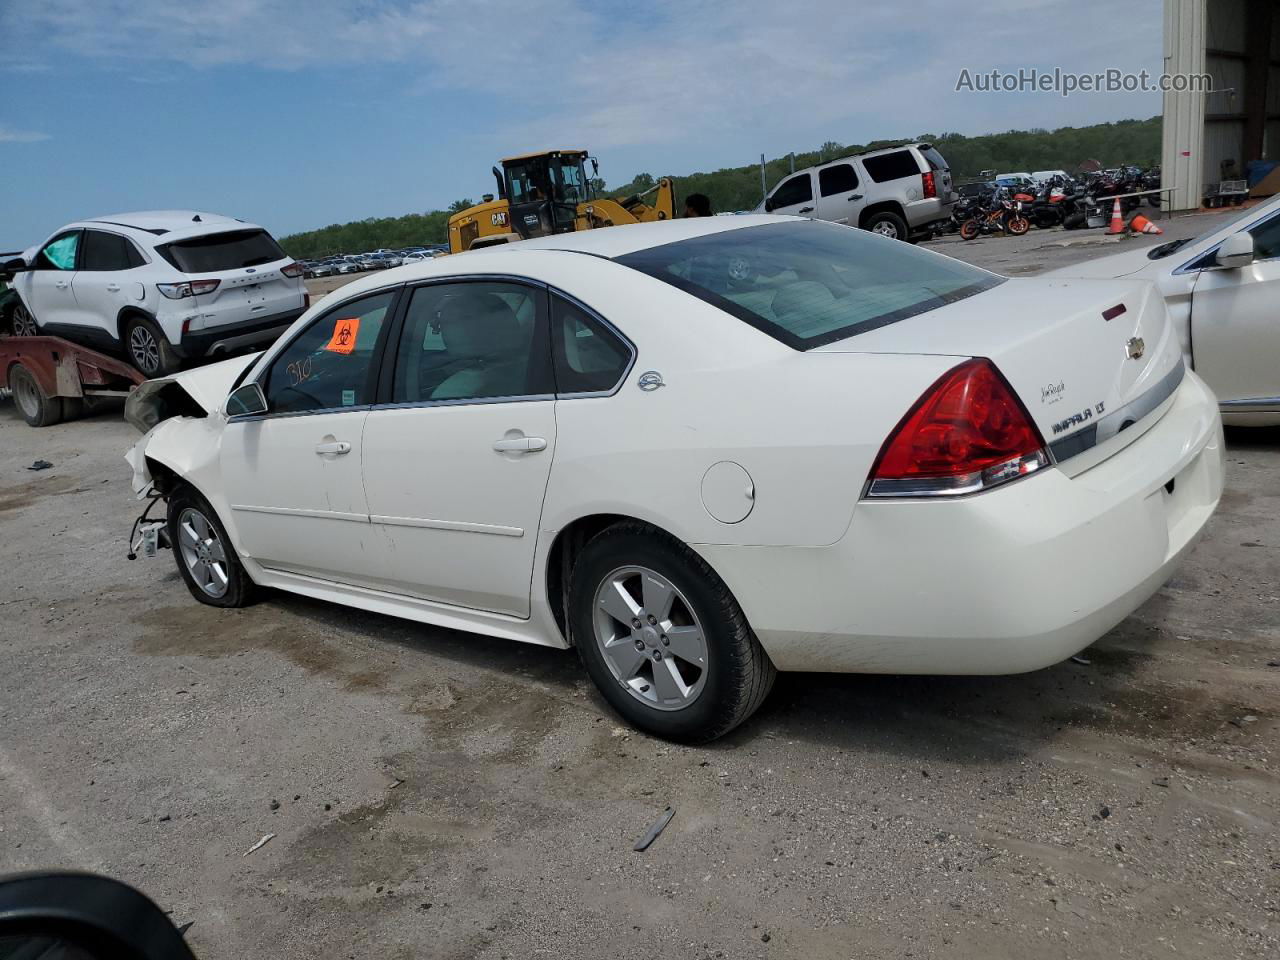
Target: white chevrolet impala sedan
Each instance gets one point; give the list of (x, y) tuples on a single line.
[(701, 452)]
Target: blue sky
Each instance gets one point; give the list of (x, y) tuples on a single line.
[(297, 115)]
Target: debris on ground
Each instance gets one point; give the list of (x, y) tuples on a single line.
[(41, 465), (1084, 661), (1160, 782), (658, 826), (259, 845)]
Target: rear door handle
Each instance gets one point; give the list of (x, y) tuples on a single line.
[(113, 287), (334, 447), (806, 209), (855, 196), (520, 444)]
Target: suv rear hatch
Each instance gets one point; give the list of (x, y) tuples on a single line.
[(1091, 360), (247, 264)]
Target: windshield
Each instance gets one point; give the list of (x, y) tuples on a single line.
[(222, 251), (808, 283)]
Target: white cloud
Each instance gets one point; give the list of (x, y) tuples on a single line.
[(10, 135), (577, 71)]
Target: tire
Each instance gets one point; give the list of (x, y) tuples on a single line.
[(887, 224), (202, 550), (1018, 226), (148, 348), (970, 229), (22, 322), (37, 408), (704, 701)]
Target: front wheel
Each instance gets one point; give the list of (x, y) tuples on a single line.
[(206, 559), (663, 638), (970, 229), (1017, 226)]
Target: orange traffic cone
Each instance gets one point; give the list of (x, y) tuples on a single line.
[(1140, 224), (1117, 219)]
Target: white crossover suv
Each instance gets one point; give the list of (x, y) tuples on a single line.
[(160, 286)]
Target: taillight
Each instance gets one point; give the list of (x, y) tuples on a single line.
[(969, 432), (930, 188), (188, 288), (292, 271)]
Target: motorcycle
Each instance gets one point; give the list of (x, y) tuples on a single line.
[(1003, 216)]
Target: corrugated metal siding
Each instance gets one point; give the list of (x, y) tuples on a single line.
[(1222, 141), (1182, 149)]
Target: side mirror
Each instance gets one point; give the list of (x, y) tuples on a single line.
[(84, 916), (16, 265), (769, 205), (246, 400), (1236, 251)]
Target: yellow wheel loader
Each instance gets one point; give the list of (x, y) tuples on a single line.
[(540, 194)]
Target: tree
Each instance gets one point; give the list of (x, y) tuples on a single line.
[(459, 205)]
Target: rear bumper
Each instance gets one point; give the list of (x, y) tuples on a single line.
[(230, 337), (1003, 582), (921, 213)]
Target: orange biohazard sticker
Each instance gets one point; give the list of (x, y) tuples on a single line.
[(344, 335)]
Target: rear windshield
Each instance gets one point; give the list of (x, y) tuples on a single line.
[(808, 283), (222, 251)]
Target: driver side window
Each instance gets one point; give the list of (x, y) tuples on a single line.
[(330, 364), (59, 253)]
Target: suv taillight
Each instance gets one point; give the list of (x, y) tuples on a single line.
[(189, 288), (930, 186), (292, 270), (969, 432)]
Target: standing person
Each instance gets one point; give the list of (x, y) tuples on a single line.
[(697, 205)]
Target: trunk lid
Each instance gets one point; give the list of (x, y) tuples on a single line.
[(1083, 378)]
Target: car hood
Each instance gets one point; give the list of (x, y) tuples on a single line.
[(1117, 265), (193, 393)]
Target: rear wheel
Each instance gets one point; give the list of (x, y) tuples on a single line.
[(149, 350), (37, 408), (969, 230), (206, 559), (887, 224), (22, 322), (663, 638)]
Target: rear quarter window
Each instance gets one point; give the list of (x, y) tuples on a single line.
[(232, 250), (891, 166), (934, 158)]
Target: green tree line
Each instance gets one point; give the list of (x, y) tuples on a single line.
[(738, 188)]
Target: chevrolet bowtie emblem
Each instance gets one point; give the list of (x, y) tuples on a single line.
[(1136, 347)]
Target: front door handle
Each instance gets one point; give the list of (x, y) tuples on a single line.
[(855, 196), (61, 284), (520, 444), (806, 209), (334, 447), (113, 288)]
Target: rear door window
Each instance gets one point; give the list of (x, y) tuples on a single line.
[(838, 179), (108, 251), (233, 250), (891, 166), (331, 364)]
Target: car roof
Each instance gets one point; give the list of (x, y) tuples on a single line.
[(621, 240), (170, 224)]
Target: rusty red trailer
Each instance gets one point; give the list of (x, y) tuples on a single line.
[(54, 379)]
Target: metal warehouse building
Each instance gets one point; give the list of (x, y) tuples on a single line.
[(1208, 136)]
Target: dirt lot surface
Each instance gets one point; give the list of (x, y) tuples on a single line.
[(441, 795)]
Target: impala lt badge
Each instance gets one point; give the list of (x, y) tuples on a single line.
[(1136, 347)]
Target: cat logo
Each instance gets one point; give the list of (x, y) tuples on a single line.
[(498, 219)]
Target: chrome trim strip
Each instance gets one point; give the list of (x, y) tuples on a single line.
[(461, 526), (299, 512), (1261, 402), (1137, 409), (462, 402)]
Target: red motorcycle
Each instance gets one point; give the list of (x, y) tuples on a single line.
[(1004, 216)]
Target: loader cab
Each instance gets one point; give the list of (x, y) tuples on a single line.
[(543, 191)]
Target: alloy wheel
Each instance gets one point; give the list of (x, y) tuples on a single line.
[(203, 552), (650, 638), (886, 229), (144, 350), (23, 323)]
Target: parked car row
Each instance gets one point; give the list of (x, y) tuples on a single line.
[(380, 259)]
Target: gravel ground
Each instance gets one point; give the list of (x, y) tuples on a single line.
[(442, 795)]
